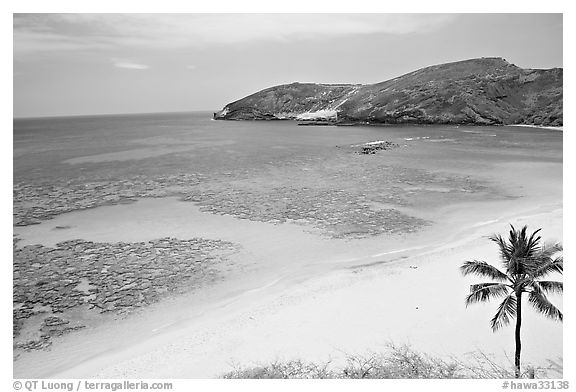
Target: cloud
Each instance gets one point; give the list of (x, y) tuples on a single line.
[(128, 64), (48, 32), (191, 67)]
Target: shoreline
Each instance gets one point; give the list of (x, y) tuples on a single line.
[(327, 122), (299, 320), (560, 128)]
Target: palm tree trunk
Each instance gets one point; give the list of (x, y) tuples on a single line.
[(518, 325)]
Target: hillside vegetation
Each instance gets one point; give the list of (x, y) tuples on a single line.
[(485, 91)]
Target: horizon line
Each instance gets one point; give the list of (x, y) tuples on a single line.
[(33, 117)]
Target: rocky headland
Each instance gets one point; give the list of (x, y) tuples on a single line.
[(484, 91)]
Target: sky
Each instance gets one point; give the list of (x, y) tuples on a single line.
[(82, 64)]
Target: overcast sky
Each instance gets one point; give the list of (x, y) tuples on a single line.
[(67, 64)]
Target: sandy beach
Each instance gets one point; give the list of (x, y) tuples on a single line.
[(348, 311)]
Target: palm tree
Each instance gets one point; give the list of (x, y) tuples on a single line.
[(525, 262)]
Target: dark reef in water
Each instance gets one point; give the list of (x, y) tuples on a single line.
[(484, 91)]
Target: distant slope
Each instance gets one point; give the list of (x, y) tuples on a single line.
[(477, 91)]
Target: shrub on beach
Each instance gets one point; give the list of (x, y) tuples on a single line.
[(399, 362), (283, 370)]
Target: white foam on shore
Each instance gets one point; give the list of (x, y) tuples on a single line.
[(397, 251), (485, 223), (537, 126), (375, 143), (417, 138)]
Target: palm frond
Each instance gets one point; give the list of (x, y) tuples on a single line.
[(483, 292), (549, 249), (517, 253), (542, 257), (524, 250), (550, 266), (550, 287), (504, 248), (506, 311), (533, 241), (545, 262), (482, 268), (538, 300)]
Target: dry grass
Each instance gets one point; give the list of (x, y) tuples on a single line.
[(399, 362)]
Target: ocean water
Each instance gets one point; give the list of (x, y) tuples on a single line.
[(275, 171), (160, 144), (267, 171), (156, 144)]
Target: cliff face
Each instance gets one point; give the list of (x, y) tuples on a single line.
[(290, 101), (478, 91)]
